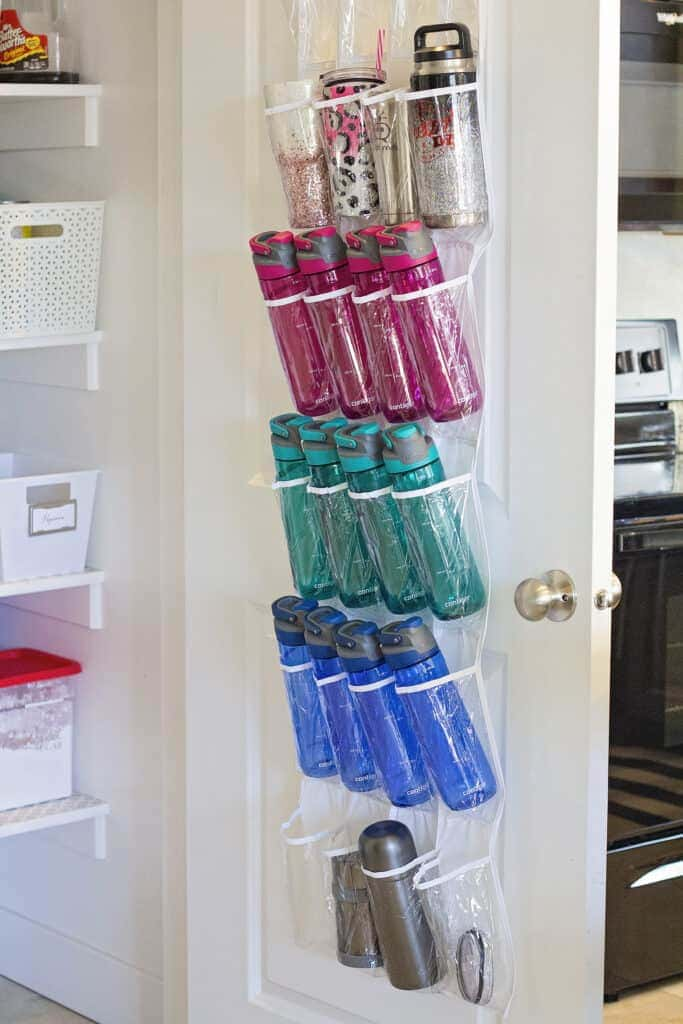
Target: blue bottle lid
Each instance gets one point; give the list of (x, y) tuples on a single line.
[(358, 645), (319, 445), (407, 642), (360, 447), (289, 614), (408, 447), (285, 438), (321, 629)]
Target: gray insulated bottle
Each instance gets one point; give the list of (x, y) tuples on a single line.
[(406, 940), (357, 942)]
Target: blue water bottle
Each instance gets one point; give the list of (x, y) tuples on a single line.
[(313, 748), (350, 744), (455, 757), (387, 725)]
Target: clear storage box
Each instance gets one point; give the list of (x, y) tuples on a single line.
[(36, 727)]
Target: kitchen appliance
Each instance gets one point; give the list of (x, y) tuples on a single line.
[(644, 931)]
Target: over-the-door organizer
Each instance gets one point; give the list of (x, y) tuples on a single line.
[(389, 854)]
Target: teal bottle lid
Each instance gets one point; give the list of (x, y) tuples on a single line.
[(285, 438), (360, 446), (407, 447), (318, 441)]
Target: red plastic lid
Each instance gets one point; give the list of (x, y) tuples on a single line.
[(23, 665)]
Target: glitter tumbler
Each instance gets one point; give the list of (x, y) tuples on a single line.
[(393, 370), (297, 144), (349, 154), (433, 322), (445, 131), (323, 263), (301, 352)]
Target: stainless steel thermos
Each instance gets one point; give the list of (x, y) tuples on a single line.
[(357, 942), (388, 855)]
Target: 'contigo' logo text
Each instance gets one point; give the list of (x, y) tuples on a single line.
[(669, 18)]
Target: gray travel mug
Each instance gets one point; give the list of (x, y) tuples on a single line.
[(357, 942), (405, 937)]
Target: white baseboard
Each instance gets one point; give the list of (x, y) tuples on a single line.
[(86, 980)]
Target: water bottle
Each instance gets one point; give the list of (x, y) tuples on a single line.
[(351, 565), (308, 560), (393, 369), (387, 725), (311, 738), (350, 744), (452, 749), (445, 130), (361, 450), (323, 262), (301, 352), (433, 322), (432, 510), (388, 855)]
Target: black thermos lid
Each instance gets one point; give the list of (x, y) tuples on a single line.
[(462, 50)]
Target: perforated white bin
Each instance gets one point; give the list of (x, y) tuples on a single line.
[(49, 267), (45, 517)]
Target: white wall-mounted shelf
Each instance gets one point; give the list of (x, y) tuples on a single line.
[(49, 116), (75, 597), (62, 360), (54, 814)]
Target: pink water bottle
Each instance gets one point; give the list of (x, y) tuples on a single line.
[(393, 369), (301, 351), (432, 318), (323, 262)]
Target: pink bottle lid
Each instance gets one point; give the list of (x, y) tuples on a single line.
[(274, 254), (406, 245), (362, 249), (320, 249)]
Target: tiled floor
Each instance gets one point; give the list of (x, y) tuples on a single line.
[(657, 1004), (19, 1006)]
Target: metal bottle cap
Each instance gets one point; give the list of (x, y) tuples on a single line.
[(474, 958), (362, 249), (320, 249), (358, 645), (360, 447), (285, 438), (407, 642), (406, 245), (321, 631), (407, 447), (318, 441), (348, 76), (462, 50), (274, 254), (289, 614), (386, 846)]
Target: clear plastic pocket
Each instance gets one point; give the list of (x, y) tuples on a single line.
[(467, 916), (443, 533), (307, 880), (353, 570)]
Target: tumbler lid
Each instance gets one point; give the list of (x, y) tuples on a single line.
[(406, 245), (320, 249), (407, 643), (386, 846), (285, 438), (462, 50), (475, 967), (289, 614), (360, 447), (274, 254), (362, 249), (351, 76), (358, 645), (318, 441), (321, 631), (407, 447)]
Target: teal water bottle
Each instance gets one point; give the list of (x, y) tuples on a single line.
[(433, 512), (308, 560), (351, 565), (361, 452)]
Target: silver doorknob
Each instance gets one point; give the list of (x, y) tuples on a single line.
[(609, 597), (552, 597)]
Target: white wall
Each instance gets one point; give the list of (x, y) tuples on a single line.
[(89, 933)]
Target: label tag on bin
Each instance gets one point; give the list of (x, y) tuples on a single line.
[(55, 517)]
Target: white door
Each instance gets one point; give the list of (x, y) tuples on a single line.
[(549, 312)]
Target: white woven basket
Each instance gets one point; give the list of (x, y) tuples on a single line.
[(49, 280)]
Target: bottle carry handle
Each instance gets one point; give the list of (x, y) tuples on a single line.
[(448, 26)]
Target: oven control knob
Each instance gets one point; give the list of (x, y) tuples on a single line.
[(552, 597), (651, 361), (609, 597), (624, 362)]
